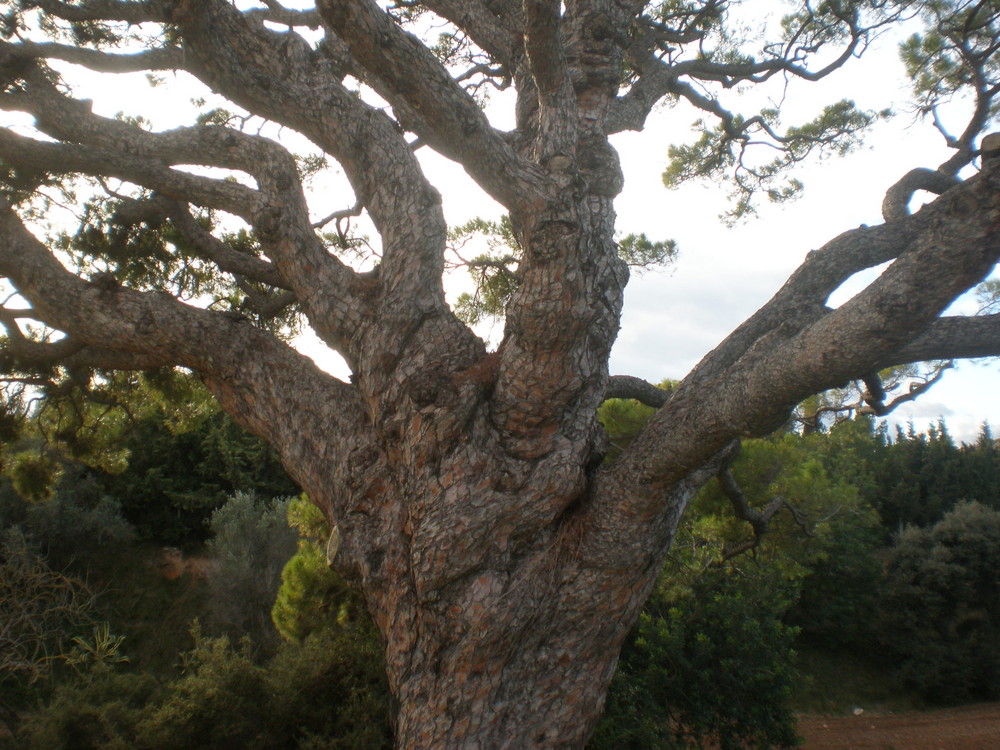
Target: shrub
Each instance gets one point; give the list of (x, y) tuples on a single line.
[(40, 609), (251, 544), (941, 609), (326, 693), (710, 667), (221, 701), (100, 711)]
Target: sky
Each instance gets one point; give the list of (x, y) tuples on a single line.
[(675, 316)]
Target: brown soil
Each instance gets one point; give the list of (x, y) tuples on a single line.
[(172, 564), (965, 728)]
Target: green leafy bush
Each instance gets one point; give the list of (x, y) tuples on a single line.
[(250, 545), (312, 596), (327, 693), (100, 711), (941, 607), (707, 667)]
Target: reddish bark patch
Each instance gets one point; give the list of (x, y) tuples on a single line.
[(966, 728)]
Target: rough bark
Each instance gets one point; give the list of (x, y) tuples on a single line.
[(502, 559)]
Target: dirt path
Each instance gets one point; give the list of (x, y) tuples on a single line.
[(966, 728)]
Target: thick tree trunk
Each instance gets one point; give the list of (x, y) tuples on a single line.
[(515, 652)]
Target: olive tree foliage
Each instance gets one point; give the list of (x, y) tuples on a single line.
[(502, 558)]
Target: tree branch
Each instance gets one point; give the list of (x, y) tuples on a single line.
[(312, 419), (278, 211), (404, 71), (952, 337), (875, 394), (108, 10), (897, 198), (279, 77), (557, 101), (162, 58), (486, 29), (794, 347), (759, 520), (627, 386)]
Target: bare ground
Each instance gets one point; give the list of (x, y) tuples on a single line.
[(966, 728)]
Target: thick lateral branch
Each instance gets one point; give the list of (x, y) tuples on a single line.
[(108, 10), (164, 58), (483, 27), (61, 158), (278, 211), (70, 353), (627, 386), (954, 337), (952, 244), (279, 77), (544, 45), (214, 249), (897, 198), (409, 73), (802, 299)]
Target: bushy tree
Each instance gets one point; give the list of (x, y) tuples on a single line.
[(312, 597), (97, 712), (251, 543), (75, 524), (184, 459), (940, 616), (327, 693), (468, 488), (710, 666)]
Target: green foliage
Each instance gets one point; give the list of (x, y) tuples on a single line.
[(328, 693), (622, 418), (840, 590), (641, 252), (494, 271), (75, 524), (818, 508), (251, 543), (100, 712), (312, 597), (711, 667), (920, 477), (955, 54), (34, 475), (182, 467), (84, 416), (941, 607), (121, 243), (216, 703), (723, 152)]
